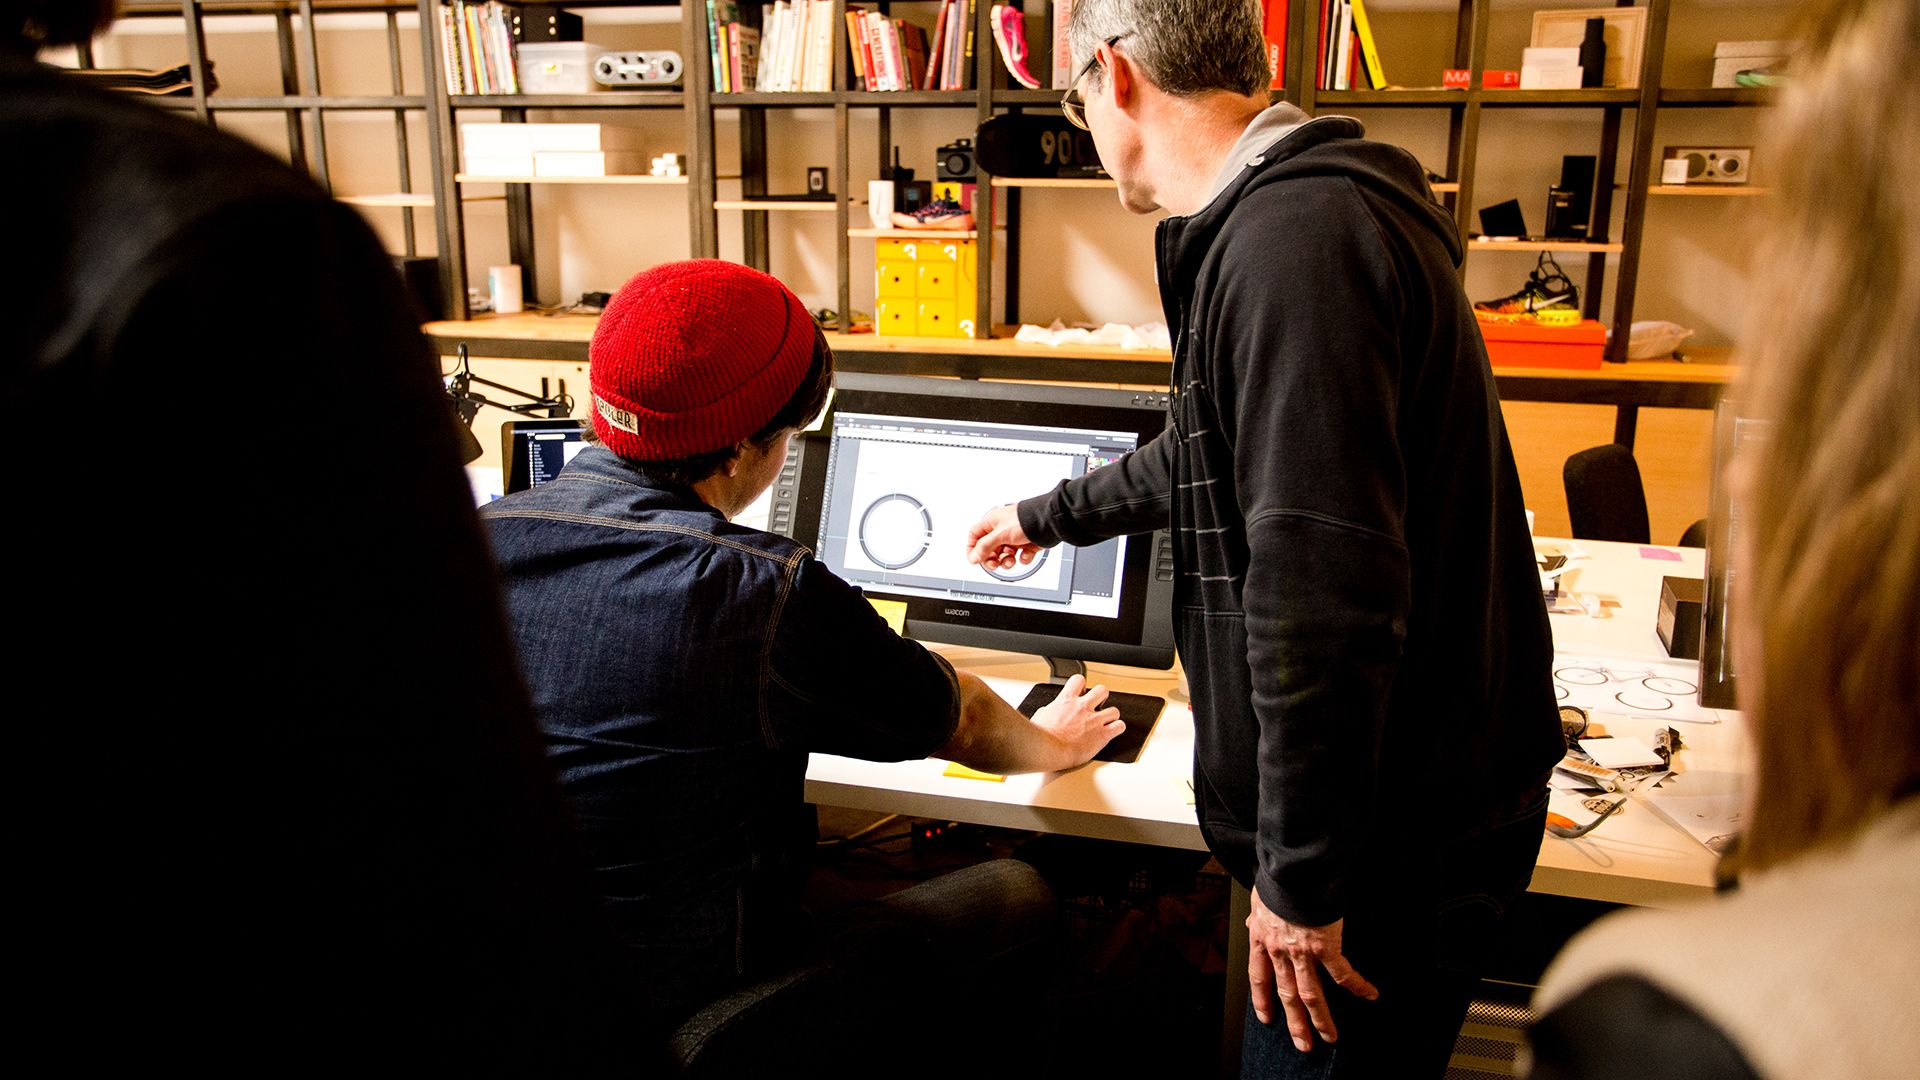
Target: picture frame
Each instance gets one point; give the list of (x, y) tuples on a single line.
[(1626, 37)]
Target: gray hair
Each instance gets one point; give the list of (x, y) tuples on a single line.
[(1185, 47)]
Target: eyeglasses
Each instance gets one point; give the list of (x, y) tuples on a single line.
[(1072, 105)]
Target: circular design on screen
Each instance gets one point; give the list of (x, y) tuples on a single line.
[(1561, 693), (1661, 684), (1581, 676), (1644, 700), (1019, 573), (895, 531)]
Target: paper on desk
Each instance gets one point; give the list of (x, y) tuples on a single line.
[(1621, 752), (893, 611), (959, 771), (1656, 690), (1708, 804), (1575, 807)]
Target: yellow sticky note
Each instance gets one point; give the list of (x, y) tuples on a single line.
[(893, 611), (954, 768)]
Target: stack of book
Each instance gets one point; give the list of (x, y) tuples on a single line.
[(791, 51), (155, 82), (894, 54), (477, 48), (1348, 57)]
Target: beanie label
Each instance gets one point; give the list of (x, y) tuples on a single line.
[(615, 415)]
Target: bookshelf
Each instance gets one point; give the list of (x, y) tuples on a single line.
[(1627, 119)]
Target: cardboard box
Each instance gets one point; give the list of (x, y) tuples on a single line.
[(1530, 345), (1730, 58)]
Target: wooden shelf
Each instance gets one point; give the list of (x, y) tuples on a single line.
[(287, 102), (816, 206), (1052, 182), (1026, 97), (664, 181), (1700, 97), (794, 100), (1429, 97), (915, 234), (607, 99), (953, 99), (1721, 190), (397, 199), (1544, 245), (1446, 187), (1558, 99)]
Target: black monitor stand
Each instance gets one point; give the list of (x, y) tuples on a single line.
[(1138, 711)]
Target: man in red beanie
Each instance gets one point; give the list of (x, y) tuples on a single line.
[(683, 666)]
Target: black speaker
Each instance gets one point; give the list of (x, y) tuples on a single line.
[(420, 277), (1576, 178), (1036, 145), (955, 162), (544, 22)]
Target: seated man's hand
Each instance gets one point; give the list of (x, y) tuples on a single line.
[(997, 541), (1077, 721)]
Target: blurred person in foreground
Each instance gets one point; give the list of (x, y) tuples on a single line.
[(1806, 967), (278, 798)]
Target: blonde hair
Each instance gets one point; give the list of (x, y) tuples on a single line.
[(1827, 573)]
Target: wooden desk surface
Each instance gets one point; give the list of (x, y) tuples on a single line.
[(564, 337), (1637, 857)]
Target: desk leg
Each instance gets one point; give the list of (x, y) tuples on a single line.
[(1233, 1010)]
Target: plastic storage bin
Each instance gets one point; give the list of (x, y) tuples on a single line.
[(557, 67)]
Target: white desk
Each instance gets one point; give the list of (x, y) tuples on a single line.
[(1636, 857)]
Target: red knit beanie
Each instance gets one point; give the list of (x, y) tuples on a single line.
[(695, 356)]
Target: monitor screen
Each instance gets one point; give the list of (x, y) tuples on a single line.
[(887, 488), (533, 452)]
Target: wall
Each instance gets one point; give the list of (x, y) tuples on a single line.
[(1082, 259)]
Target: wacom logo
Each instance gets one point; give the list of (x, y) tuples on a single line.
[(960, 611)]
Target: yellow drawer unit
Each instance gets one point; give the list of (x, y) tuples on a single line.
[(900, 279), (924, 287)]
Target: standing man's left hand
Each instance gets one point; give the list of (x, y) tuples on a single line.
[(1286, 959)]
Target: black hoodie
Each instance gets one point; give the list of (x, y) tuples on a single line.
[(1357, 608)]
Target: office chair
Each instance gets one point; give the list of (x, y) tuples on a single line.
[(1605, 497), (1607, 501)]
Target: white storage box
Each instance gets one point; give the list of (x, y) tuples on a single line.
[(499, 164), (1550, 69), (1730, 58), (589, 163), (557, 67), (487, 140), (581, 138)]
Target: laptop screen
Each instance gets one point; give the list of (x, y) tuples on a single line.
[(533, 452)]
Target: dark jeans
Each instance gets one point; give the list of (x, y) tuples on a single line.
[(1421, 930), (944, 960)]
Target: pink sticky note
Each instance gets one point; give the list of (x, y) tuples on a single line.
[(1661, 554)]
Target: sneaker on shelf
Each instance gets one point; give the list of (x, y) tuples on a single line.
[(938, 214), (1547, 289), (1010, 32)]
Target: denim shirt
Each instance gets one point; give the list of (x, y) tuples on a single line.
[(682, 668)]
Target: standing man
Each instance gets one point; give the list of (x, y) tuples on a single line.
[(1357, 605)]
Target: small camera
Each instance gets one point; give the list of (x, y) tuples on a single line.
[(955, 162)]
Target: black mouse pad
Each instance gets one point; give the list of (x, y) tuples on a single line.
[(1138, 711)]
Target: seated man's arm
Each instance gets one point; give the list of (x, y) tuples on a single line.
[(840, 681)]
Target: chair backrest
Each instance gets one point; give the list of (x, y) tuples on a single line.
[(1605, 498)]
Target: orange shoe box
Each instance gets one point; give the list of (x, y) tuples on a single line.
[(1530, 345)]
